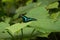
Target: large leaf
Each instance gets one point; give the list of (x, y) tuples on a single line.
[(25, 9), (44, 23), (27, 32), (16, 27), (46, 2), (3, 33)]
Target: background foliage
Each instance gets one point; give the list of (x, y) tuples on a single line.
[(15, 19)]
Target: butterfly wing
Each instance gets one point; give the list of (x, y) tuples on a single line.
[(26, 19)]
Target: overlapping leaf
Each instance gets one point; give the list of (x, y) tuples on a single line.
[(3, 33), (16, 27), (43, 22), (25, 9), (46, 2), (53, 5)]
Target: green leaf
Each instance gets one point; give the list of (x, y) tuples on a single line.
[(29, 2), (3, 33), (7, 20), (16, 27), (53, 5), (46, 2), (27, 32), (55, 16), (7, 0), (43, 21), (41, 34), (25, 9)]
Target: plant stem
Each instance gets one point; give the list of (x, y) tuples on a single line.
[(32, 33), (22, 34)]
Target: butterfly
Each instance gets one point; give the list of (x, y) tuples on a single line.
[(27, 19)]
